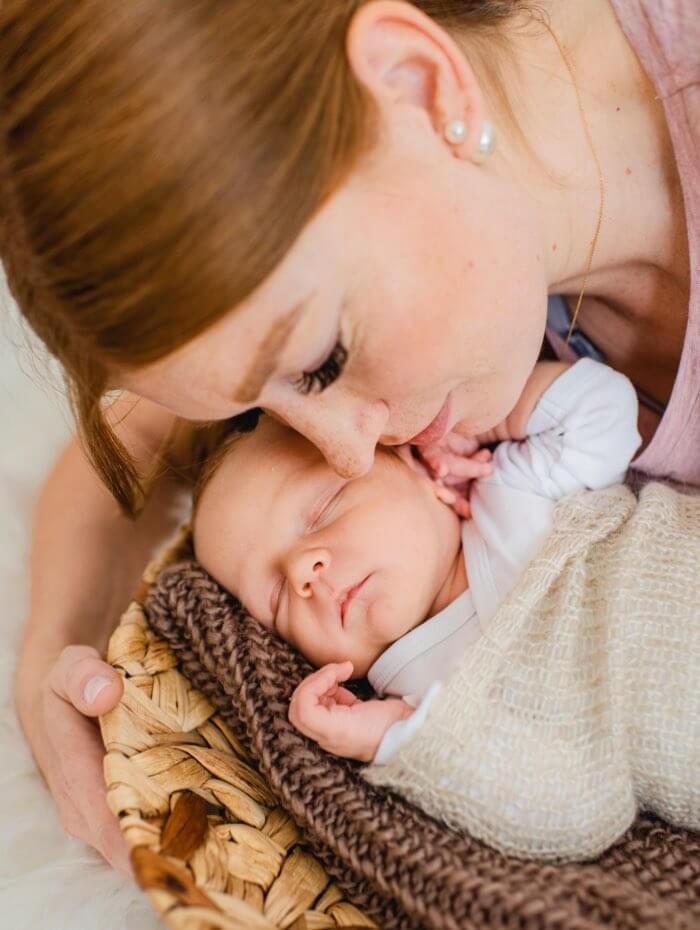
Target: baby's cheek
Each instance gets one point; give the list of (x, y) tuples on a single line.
[(379, 630)]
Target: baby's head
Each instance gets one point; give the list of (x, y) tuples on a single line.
[(339, 569)]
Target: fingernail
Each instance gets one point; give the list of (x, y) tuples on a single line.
[(93, 688)]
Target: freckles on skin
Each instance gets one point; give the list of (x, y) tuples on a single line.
[(628, 171)]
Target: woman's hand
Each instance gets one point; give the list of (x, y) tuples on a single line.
[(86, 560), (56, 717), (339, 721)]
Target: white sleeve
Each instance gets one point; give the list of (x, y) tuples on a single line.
[(582, 434), (397, 734)]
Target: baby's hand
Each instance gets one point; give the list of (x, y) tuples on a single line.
[(337, 720), (454, 463)]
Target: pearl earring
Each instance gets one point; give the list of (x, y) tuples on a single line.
[(487, 142), (456, 131)]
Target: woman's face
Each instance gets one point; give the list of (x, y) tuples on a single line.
[(419, 287)]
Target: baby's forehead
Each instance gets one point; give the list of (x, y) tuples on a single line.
[(272, 445), (257, 471)]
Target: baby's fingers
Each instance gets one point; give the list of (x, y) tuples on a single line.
[(322, 681), (338, 695), (447, 464), (461, 445), (455, 466), (309, 704), (462, 508), (446, 495), (459, 504), (345, 697)]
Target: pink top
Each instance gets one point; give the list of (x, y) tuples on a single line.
[(666, 37)]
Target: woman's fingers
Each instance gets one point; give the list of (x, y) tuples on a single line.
[(69, 751), (83, 772), (80, 677)]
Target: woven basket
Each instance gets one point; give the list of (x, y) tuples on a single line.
[(208, 842)]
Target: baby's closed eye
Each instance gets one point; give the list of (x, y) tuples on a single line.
[(275, 598), (325, 504)]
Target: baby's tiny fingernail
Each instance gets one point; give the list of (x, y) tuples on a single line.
[(93, 688)]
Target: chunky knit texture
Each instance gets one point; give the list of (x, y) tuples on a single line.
[(581, 703), (397, 863)]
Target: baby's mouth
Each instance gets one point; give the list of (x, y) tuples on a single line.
[(347, 596)]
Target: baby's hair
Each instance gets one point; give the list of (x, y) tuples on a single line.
[(240, 426)]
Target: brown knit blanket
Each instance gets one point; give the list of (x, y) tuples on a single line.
[(402, 867)]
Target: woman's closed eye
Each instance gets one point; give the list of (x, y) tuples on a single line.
[(326, 373)]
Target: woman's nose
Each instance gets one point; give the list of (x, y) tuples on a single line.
[(345, 432), (305, 569)]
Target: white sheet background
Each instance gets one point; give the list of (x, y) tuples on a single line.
[(48, 881)]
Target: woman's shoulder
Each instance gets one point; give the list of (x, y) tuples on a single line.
[(666, 36)]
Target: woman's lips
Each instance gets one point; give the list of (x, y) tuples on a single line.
[(435, 430), (348, 596)]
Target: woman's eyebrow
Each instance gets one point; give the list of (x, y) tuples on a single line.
[(268, 352)]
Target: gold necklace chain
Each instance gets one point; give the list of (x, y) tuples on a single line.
[(599, 169)]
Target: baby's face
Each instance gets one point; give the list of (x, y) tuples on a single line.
[(340, 569)]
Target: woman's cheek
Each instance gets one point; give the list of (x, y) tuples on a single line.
[(480, 411), (406, 348)]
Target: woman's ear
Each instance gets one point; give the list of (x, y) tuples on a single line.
[(404, 59)]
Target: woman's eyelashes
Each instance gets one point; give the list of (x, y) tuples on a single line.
[(327, 372)]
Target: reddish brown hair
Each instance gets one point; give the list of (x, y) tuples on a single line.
[(157, 160)]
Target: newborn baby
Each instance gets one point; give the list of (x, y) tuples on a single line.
[(376, 576)]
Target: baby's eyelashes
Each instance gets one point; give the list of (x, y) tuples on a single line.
[(325, 504), (275, 597)]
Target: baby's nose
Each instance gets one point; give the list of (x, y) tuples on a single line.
[(306, 570)]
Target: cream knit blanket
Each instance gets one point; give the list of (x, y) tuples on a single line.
[(581, 702)]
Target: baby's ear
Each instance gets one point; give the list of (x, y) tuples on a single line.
[(406, 454)]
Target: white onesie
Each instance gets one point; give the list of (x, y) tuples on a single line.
[(582, 434)]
